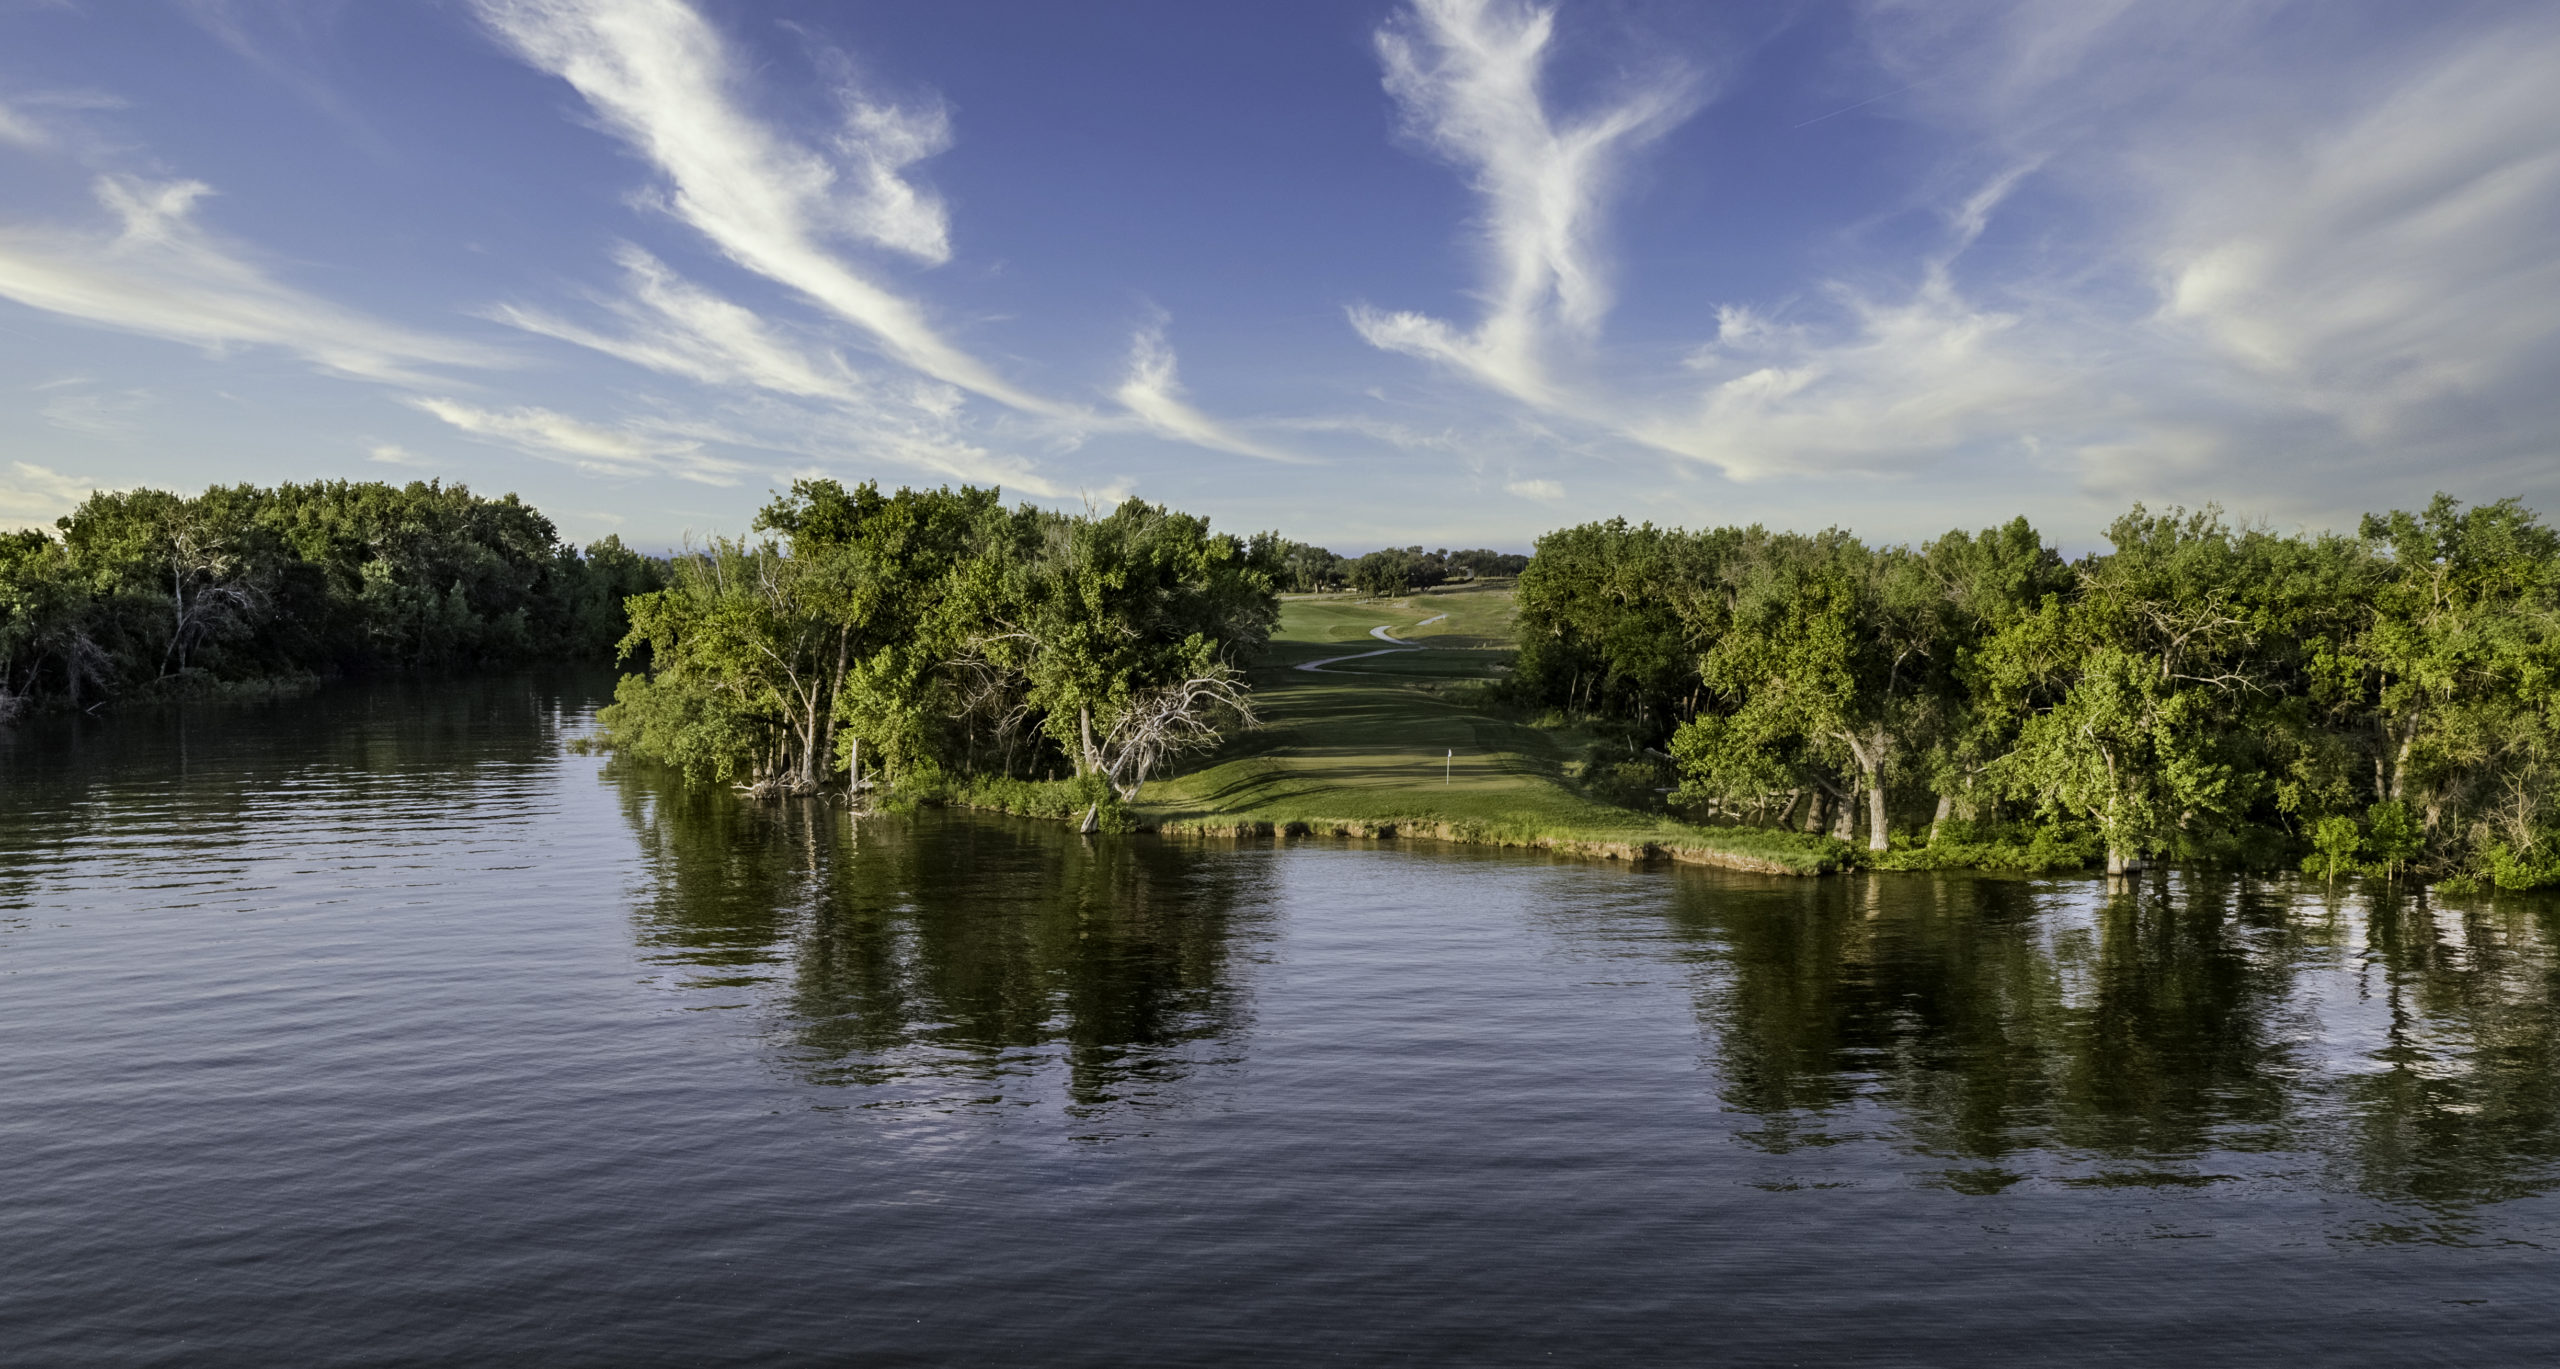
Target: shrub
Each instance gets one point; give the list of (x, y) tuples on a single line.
[(2335, 843)]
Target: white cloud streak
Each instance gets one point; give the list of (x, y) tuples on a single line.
[(807, 403), (1152, 392), (2403, 257), (161, 275), (2338, 263), (32, 496), (677, 328), (661, 78), (18, 130), (824, 438), (625, 451), (1468, 75), (110, 414)]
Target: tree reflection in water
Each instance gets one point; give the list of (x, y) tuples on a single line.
[(913, 955), (2174, 1031)]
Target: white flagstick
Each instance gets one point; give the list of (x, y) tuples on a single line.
[(1448, 763)]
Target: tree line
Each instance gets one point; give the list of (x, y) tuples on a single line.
[(1388, 571), (146, 592), (2378, 701), (938, 633)]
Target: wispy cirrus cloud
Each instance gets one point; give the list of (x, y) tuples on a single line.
[(162, 275), (78, 407), (18, 129), (2336, 262), (626, 450), (823, 437), (1153, 394), (34, 496), (2333, 264), (2374, 267), (662, 79), (675, 327), (775, 391), (287, 44), (1468, 76)]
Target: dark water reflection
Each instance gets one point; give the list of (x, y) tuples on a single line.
[(2174, 1032), (945, 961), (378, 1027)]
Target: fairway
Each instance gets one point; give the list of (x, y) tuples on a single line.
[(1364, 742)]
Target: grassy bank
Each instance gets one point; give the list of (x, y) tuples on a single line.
[(1391, 744)]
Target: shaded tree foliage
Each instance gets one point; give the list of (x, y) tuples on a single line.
[(2383, 701), (1481, 563), (147, 591), (1304, 569), (1398, 570), (938, 631), (1300, 568)]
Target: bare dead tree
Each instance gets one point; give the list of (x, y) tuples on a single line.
[(225, 593), (1188, 715)]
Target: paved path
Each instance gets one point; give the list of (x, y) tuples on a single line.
[(1380, 632)]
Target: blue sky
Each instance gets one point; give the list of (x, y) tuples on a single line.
[(1446, 271)]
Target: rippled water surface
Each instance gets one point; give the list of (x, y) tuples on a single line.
[(377, 1027)]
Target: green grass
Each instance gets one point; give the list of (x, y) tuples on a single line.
[(1388, 745)]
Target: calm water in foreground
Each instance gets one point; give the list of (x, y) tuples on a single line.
[(378, 1028)]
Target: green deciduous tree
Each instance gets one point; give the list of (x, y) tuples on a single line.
[(2196, 691), (914, 628), (146, 591)]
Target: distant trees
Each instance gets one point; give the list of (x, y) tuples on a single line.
[(1401, 570), (1480, 563), (938, 630), (1301, 569), (152, 592), (1304, 569), (2384, 701), (1397, 570)]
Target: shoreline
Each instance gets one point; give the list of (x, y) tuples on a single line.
[(1471, 834), (1631, 848)]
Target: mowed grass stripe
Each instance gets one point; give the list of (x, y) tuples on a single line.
[(1345, 751)]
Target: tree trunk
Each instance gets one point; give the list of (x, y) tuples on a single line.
[(177, 629), (1813, 812), (1946, 807), (853, 782), (1084, 725), (1844, 815), (827, 696), (816, 739), (1876, 826)]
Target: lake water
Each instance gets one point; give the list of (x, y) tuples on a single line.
[(377, 1027)]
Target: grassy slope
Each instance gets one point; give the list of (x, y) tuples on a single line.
[(1363, 747)]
